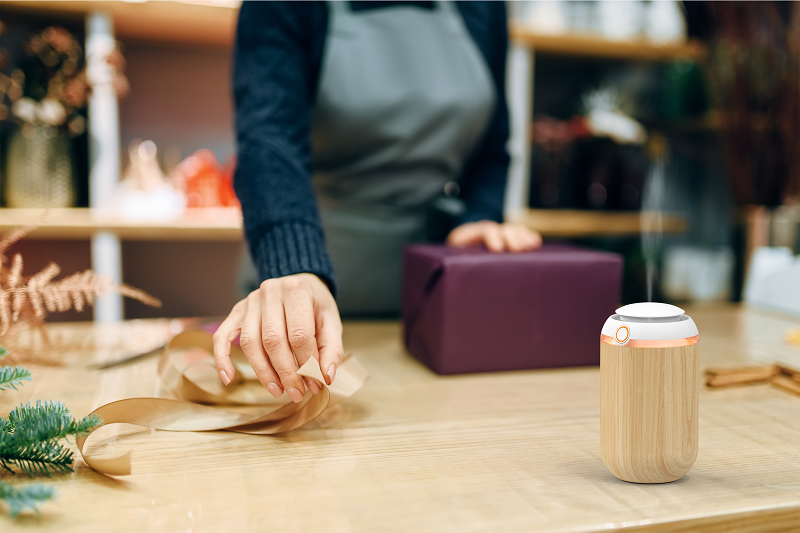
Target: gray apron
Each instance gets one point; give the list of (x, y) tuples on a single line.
[(404, 97)]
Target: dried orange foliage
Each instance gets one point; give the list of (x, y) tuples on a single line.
[(30, 299)]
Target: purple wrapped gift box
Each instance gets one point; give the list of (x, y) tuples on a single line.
[(468, 310)]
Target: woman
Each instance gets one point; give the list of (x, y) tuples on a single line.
[(351, 118)]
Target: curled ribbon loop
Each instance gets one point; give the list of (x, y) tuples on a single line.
[(181, 370)]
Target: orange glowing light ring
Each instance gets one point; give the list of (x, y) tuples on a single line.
[(639, 343)]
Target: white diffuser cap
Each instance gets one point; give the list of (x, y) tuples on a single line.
[(642, 323), (650, 310)]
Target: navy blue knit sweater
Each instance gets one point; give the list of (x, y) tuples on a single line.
[(279, 50)]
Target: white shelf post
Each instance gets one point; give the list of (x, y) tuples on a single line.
[(103, 156), (519, 94)]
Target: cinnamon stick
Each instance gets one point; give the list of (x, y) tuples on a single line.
[(790, 372), (723, 377), (780, 376), (738, 369), (787, 384)]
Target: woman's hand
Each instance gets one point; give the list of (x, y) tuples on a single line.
[(496, 237), (280, 326)]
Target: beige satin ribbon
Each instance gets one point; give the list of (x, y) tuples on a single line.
[(186, 368)]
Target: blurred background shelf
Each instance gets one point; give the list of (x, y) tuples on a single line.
[(599, 47), (225, 224), (210, 224), (576, 223), (178, 63), (195, 23)]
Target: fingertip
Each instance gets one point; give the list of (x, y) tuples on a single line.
[(294, 394), (510, 240), (274, 389), (226, 370), (328, 363), (459, 239), (453, 238), (494, 242), (313, 386), (222, 362)]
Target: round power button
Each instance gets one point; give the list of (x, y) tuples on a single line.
[(623, 335)]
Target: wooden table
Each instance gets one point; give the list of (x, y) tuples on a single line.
[(416, 452)]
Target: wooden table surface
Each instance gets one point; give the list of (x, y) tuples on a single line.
[(413, 451)]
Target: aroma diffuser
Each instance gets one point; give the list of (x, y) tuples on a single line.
[(649, 366)]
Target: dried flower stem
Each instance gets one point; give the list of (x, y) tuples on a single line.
[(30, 300)]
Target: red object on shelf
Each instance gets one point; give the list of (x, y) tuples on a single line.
[(555, 134), (205, 182)]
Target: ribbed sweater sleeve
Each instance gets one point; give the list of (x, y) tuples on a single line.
[(276, 62)]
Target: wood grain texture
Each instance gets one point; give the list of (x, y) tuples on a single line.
[(412, 451), (649, 411)]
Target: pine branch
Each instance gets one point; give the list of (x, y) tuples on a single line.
[(46, 421), (3, 352), (21, 499), (13, 376), (42, 458), (49, 413), (29, 437)]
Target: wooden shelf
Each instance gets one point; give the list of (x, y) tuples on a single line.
[(578, 223), (595, 46), (197, 23), (225, 224), (219, 224), (214, 24)]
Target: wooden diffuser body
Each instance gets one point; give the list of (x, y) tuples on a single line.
[(649, 403)]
